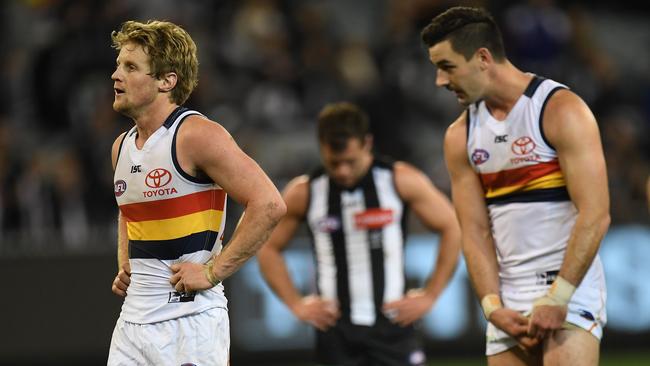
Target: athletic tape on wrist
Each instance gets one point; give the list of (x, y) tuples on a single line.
[(559, 294), (490, 303), (561, 290)]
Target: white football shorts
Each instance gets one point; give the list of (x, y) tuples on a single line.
[(586, 308), (197, 339)]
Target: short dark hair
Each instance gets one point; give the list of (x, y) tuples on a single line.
[(467, 29), (339, 122)]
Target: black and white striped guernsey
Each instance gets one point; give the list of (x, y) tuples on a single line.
[(358, 236)]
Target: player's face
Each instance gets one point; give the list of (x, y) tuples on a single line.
[(348, 166), (463, 77), (134, 87)]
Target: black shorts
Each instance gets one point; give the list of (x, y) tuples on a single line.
[(383, 344)]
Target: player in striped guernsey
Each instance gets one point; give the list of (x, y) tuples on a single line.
[(530, 188), (173, 170), (355, 207)]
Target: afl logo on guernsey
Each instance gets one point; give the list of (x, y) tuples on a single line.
[(329, 224), (158, 178), (480, 156), (523, 146), (120, 188)]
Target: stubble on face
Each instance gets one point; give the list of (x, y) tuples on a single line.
[(452, 69), (134, 87)]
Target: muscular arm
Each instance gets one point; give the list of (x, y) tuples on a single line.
[(436, 212), (571, 128), (122, 280), (467, 194), (318, 312), (271, 261), (477, 241), (647, 192), (122, 244), (206, 146)]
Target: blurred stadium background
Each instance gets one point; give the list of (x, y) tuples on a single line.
[(267, 67)]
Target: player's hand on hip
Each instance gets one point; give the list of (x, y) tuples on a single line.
[(319, 312), (189, 277), (410, 308), (122, 281), (545, 319)]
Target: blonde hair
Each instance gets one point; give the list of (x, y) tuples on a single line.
[(170, 49)]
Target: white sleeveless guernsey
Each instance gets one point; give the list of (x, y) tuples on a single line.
[(171, 217), (529, 207)]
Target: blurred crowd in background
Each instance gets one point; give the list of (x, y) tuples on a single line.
[(266, 69)]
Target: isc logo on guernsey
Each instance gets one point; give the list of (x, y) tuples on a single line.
[(158, 179)]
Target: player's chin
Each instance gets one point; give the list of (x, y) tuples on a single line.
[(118, 106), (463, 100)]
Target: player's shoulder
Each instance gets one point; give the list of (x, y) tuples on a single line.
[(409, 180), (117, 144), (300, 182), (566, 114), (563, 101), (405, 169), (200, 126), (296, 195), (198, 134), (119, 139), (457, 131)]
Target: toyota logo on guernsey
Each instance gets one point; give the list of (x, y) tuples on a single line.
[(480, 156), (158, 179), (524, 147)]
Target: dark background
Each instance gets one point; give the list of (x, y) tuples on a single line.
[(267, 67)]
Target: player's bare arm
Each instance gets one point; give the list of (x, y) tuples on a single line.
[(647, 192), (436, 212), (123, 278), (477, 242), (318, 312), (206, 146), (469, 203), (572, 129)]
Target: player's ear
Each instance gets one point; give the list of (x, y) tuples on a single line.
[(168, 82), (367, 142), (484, 57)]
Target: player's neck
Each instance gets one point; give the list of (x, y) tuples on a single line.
[(508, 85), (150, 120)]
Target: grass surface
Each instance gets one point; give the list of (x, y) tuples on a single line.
[(608, 359), (611, 359)]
